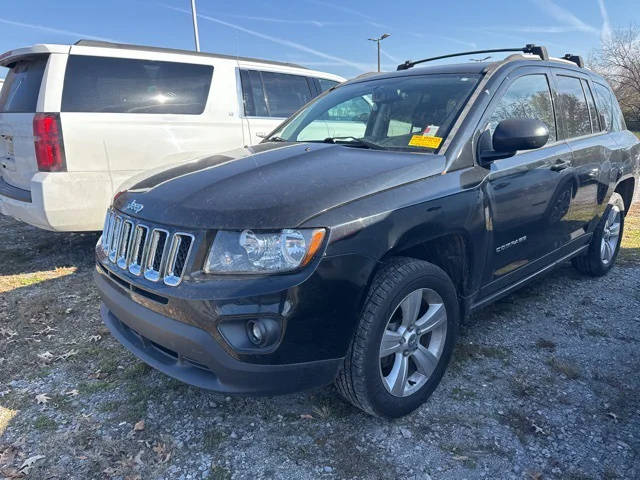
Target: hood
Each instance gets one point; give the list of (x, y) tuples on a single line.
[(271, 185)]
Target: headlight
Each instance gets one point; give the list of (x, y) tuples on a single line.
[(254, 252)]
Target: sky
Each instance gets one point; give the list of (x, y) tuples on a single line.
[(329, 36)]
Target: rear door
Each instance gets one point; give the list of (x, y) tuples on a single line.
[(18, 104), (270, 97), (591, 150), (614, 135)]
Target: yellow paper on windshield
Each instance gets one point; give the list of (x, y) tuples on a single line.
[(425, 141)]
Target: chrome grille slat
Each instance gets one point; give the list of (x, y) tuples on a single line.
[(109, 234), (105, 231), (140, 244), (125, 244), (177, 258), (145, 250), (115, 239), (155, 260)]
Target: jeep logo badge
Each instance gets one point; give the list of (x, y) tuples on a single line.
[(134, 207)]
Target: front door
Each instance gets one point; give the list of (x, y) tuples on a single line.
[(530, 193)]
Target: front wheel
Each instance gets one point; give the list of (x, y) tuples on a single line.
[(605, 244), (404, 339)]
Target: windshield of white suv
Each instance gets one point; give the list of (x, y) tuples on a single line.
[(409, 113)]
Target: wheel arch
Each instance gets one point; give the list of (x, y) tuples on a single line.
[(450, 251), (625, 188)]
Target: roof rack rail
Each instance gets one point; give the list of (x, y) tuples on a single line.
[(539, 50), (577, 59)]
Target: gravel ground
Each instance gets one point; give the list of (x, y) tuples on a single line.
[(544, 384)]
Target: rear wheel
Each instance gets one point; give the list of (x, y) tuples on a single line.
[(404, 340), (605, 244)]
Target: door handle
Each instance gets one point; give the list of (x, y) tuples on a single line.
[(560, 165)]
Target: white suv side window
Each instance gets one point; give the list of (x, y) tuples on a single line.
[(273, 94), (125, 85)]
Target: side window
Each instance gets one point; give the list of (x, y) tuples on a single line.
[(326, 84), (603, 102), (573, 106), (253, 94), (125, 85), (527, 97), (285, 93), (270, 94), (593, 114), (618, 117)]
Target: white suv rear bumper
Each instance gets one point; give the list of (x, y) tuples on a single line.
[(64, 202)]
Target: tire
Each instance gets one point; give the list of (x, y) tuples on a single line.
[(366, 378), (594, 262)]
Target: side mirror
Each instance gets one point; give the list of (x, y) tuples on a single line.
[(512, 135), (519, 134)]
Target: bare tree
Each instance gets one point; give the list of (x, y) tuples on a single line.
[(618, 60)]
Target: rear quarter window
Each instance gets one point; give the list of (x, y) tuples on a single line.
[(121, 85), (605, 108), (22, 85)]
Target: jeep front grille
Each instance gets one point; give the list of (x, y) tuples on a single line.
[(145, 250)]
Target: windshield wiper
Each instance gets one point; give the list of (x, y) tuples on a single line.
[(356, 142), (275, 139)]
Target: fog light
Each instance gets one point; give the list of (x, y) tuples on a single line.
[(256, 332)]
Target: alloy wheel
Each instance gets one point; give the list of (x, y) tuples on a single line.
[(610, 235), (413, 342)]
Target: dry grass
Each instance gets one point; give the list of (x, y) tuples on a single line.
[(11, 282), (630, 248), (6, 414)]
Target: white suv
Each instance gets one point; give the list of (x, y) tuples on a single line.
[(76, 121)]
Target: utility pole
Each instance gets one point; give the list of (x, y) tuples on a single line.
[(378, 40), (195, 25)]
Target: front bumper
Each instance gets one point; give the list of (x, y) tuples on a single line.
[(193, 356)]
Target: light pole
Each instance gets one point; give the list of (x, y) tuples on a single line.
[(195, 24), (378, 40)]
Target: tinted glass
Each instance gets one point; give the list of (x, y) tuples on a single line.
[(326, 84), (285, 93), (573, 106), (618, 118), (253, 94), (269, 94), (526, 97), (410, 113), (603, 102), (22, 85), (121, 85), (593, 114)]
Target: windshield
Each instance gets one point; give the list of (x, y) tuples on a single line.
[(410, 113)]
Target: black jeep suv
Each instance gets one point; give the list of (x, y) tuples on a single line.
[(350, 244)]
